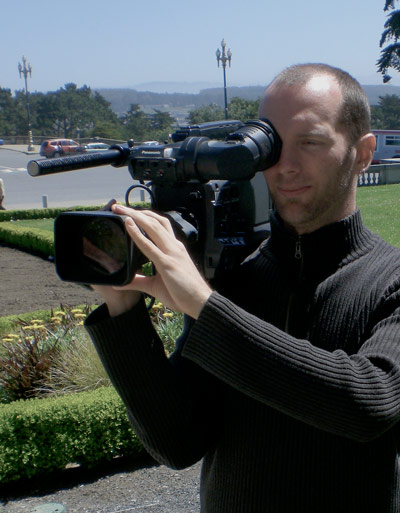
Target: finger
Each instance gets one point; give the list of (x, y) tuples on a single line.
[(144, 243), (138, 215), (156, 228)]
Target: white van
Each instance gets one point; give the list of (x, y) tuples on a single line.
[(387, 145)]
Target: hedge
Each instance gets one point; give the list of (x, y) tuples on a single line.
[(38, 436), (30, 239), (46, 213), (39, 213)]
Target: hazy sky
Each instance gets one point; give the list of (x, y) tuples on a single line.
[(123, 43)]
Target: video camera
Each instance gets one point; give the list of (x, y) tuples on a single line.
[(208, 188)]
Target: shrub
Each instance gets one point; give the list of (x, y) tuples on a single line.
[(57, 357), (168, 325), (25, 362), (45, 213), (31, 239), (11, 323), (27, 357), (38, 213), (77, 368), (38, 436)]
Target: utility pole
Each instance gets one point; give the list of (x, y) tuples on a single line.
[(224, 58), (27, 70)]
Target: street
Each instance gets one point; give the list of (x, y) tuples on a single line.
[(86, 187)]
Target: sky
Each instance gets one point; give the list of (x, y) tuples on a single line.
[(126, 43)]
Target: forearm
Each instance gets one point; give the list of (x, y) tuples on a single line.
[(165, 400)]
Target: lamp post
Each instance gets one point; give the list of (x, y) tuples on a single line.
[(27, 70), (224, 58)]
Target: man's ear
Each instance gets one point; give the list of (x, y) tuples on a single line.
[(365, 147)]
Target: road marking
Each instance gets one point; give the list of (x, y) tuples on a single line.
[(5, 169)]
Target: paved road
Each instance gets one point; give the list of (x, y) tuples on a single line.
[(87, 187)]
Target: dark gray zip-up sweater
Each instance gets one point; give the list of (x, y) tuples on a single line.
[(289, 389)]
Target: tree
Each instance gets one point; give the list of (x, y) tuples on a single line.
[(136, 123), (242, 109), (386, 115), (161, 120), (8, 113), (238, 108), (390, 54), (206, 113)]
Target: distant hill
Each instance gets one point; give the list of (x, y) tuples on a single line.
[(179, 104), (121, 99)]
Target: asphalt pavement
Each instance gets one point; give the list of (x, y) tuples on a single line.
[(94, 186)]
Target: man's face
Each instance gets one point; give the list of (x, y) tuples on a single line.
[(314, 181)]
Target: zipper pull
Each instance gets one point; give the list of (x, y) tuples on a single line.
[(297, 254)]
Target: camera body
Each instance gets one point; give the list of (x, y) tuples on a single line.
[(209, 189)]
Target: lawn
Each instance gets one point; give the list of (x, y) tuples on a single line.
[(380, 208), (41, 224)]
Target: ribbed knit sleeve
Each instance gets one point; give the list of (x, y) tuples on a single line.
[(355, 396), (163, 402)]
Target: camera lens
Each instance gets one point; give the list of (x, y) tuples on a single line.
[(104, 245)]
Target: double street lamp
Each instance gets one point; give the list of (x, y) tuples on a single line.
[(224, 58), (27, 70)]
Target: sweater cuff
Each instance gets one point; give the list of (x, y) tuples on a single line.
[(131, 328)]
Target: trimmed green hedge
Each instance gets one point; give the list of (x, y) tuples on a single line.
[(30, 239), (46, 213), (39, 213), (39, 436)]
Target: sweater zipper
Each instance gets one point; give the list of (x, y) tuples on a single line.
[(298, 255)]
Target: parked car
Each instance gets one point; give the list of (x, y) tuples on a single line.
[(150, 143), (60, 147), (95, 147)]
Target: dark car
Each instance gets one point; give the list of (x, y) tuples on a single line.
[(60, 147)]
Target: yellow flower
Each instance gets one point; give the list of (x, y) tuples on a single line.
[(63, 314), (76, 310), (80, 316), (167, 314), (7, 339)]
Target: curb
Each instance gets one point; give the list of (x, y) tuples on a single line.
[(19, 150)]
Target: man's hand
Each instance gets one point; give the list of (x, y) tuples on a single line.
[(178, 283)]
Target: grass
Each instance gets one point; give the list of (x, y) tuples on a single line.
[(41, 224), (380, 208)]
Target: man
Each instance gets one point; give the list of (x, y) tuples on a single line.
[(287, 379)]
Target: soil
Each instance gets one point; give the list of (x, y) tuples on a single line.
[(30, 283)]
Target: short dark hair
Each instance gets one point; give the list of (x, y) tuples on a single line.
[(355, 113)]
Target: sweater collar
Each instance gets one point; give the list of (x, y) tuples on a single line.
[(325, 249)]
